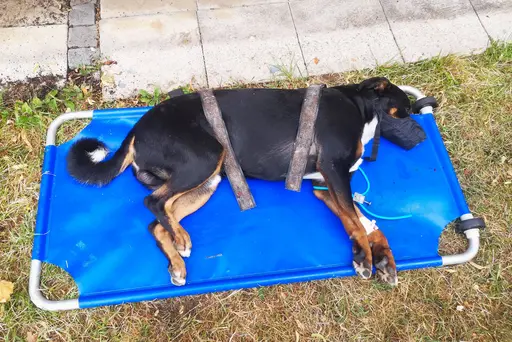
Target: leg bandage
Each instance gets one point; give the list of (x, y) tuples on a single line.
[(368, 225)]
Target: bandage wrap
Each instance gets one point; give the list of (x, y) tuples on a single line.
[(368, 225)]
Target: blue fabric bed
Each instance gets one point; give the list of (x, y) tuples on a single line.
[(100, 237)]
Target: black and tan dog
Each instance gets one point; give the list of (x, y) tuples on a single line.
[(173, 151)]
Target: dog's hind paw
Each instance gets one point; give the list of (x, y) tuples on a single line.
[(185, 253), (178, 277), (182, 242)]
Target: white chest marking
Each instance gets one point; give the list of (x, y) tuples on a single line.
[(369, 130), (368, 134)]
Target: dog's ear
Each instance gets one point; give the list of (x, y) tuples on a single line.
[(379, 84)]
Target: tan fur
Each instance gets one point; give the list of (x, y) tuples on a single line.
[(128, 159)]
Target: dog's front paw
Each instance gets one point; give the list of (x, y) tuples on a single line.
[(361, 263), (386, 272), (383, 258)]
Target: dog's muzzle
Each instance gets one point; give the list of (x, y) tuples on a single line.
[(405, 132)]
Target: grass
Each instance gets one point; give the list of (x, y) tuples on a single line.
[(475, 96)]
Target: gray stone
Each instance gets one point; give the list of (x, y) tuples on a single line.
[(207, 4), (82, 56), (340, 38), (33, 51), (151, 51), (128, 8), (496, 16), (82, 36), (428, 28), (81, 2), (244, 43), (82, 15)]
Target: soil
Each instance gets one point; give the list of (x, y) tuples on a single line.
[(33, 12), (40, 86), (26, 90)]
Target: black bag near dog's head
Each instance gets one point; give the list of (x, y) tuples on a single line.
[(404, 132), (395, 123)]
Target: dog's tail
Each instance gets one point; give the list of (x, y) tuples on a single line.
[(86, 161)]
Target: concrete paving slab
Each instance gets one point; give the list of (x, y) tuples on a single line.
[(251, 44), (427, 28), (33, 12), (156, 50), (496, 16), (128, 8), (33, 51), (338, 38), (207, 4)]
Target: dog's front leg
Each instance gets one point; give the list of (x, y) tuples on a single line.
[(382, 256), (339, 200), (381, 252)]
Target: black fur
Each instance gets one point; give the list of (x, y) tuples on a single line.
[(175, 139), (81, 167)]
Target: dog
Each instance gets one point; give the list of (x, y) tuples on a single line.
[(173, 151)]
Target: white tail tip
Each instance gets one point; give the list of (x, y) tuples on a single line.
[(98, 155)]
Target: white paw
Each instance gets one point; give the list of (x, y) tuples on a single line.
[(185, 253), (177, 279)]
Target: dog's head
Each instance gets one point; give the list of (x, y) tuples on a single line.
[(392, 103), (391, 99)]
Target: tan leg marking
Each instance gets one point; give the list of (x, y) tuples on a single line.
[(383, 256), (183, 204), (362, 259), (177, 268), (128, 159)]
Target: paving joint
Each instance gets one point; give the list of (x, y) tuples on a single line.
[(298, 39), (391, 30), (480, 20), (201, 43)]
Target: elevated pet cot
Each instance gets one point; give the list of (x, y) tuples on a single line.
[(100, 236)]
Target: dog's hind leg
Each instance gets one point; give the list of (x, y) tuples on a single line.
[(179, 197), (165, 242), (187, 204), (194, 199)]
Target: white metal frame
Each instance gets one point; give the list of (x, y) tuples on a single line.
[(473, 235), (34, 283)]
